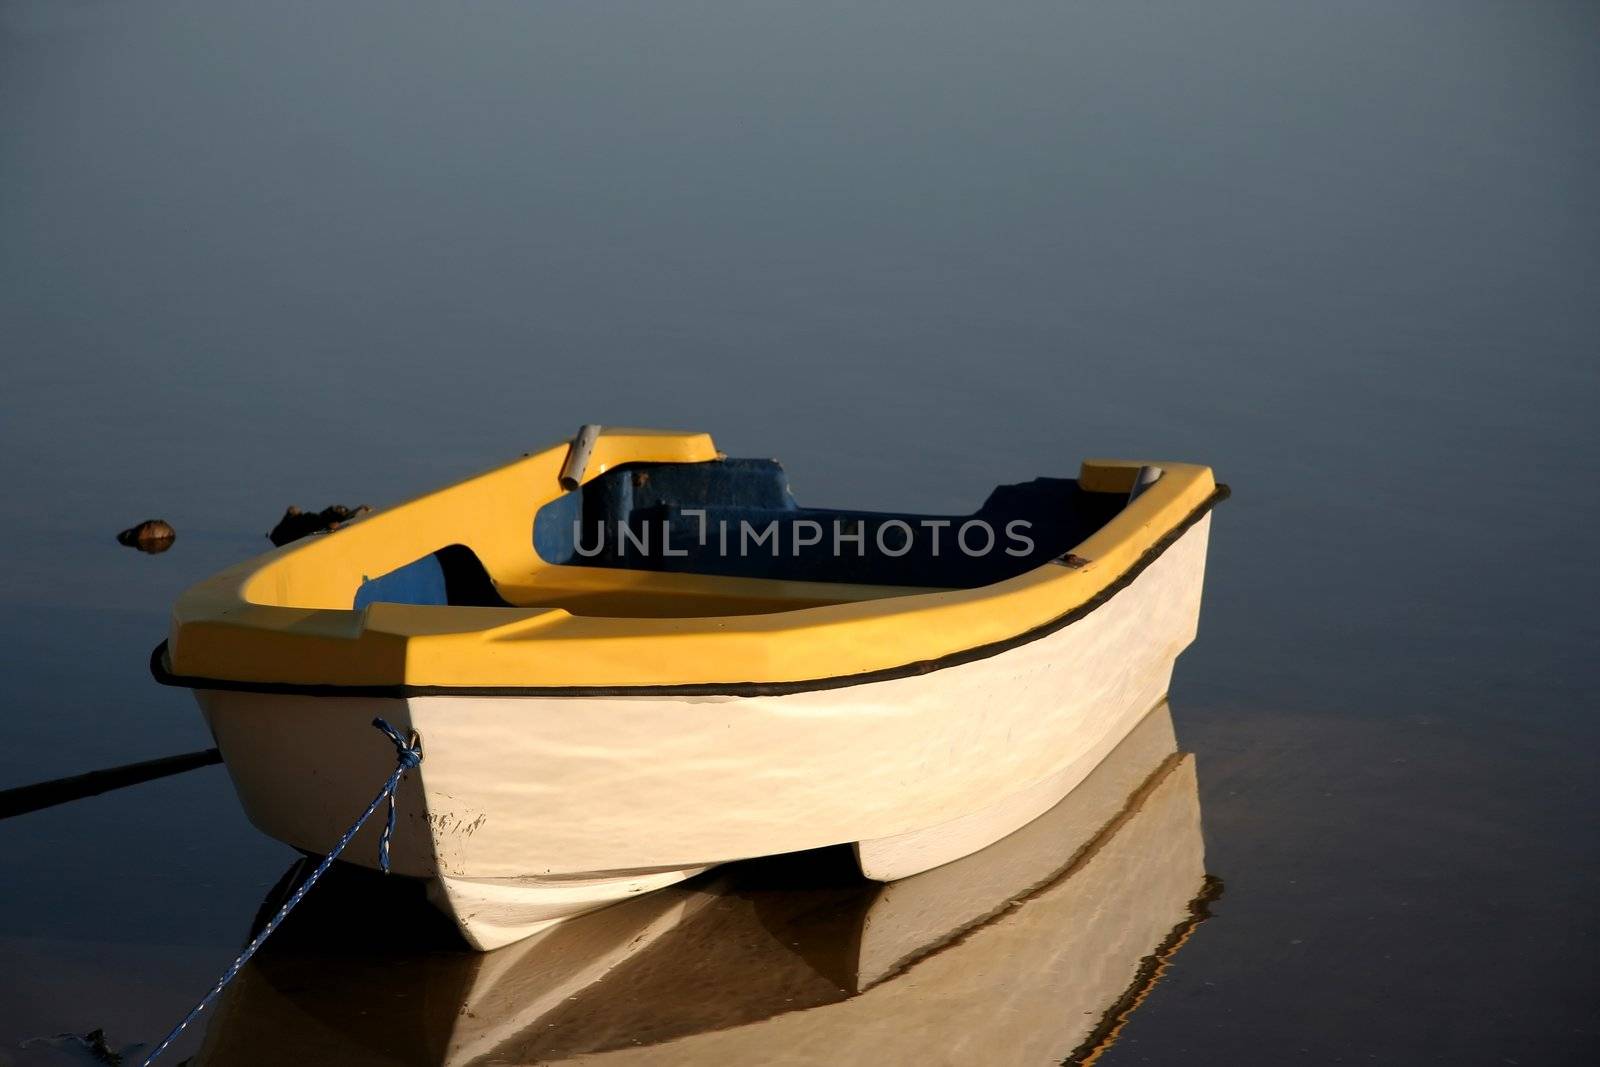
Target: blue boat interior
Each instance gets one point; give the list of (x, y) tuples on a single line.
[(738, 518)]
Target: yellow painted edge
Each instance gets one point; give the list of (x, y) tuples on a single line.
[(284, 617)]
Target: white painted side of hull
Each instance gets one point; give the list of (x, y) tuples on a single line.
[(304, 767), (580, 800), (889, 859), (913, 915)]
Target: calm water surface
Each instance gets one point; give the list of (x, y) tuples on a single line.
[(254, 255)]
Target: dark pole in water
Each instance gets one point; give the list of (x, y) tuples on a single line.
[(26, 798)]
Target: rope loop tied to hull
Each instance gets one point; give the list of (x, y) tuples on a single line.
[(408, 755)]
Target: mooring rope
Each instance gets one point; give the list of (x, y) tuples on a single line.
[(29, 798), (409, 754)]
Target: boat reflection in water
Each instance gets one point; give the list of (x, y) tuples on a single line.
[(1033, 950)]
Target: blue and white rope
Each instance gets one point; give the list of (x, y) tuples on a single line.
[(408, 755)]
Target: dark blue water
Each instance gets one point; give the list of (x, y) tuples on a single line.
[(254, 255)]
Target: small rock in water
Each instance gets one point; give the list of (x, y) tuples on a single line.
[(152, 535), (296, 524)]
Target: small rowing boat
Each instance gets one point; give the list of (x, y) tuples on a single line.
[(631, 658)]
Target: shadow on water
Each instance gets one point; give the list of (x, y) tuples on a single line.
[(1041, 945)]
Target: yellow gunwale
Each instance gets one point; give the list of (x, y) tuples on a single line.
[(283, 619)]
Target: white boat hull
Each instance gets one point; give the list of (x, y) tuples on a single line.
[(527, 809), (1033, 950)]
